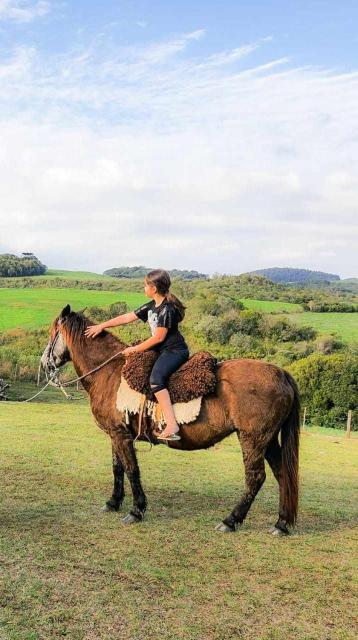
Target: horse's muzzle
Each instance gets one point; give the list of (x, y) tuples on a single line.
[(47, 363)]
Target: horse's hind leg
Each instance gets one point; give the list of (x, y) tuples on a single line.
[(254, 462), (116, 499), (273, 456)]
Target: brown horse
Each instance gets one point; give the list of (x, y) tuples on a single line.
[(255, 399)]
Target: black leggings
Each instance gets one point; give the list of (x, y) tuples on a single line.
[(167, 362)]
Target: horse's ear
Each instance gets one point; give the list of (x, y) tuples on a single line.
[(65, 311)]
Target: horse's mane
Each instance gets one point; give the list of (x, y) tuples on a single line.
[(74, 325)]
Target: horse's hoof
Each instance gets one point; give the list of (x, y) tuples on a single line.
[(130, 519), (224, 528), (109, 508), (279, 533)]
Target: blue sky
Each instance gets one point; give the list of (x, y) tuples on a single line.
[(320, 32), (218, 136)]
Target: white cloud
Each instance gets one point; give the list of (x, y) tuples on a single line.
[(113, 155), (23, 10)]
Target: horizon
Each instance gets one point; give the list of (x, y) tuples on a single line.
[(220, 133), (209, 273)]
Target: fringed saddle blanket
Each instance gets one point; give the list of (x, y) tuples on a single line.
[(130, 401), (193, 380)]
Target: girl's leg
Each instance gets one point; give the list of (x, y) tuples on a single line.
[(163, 398), (164, 366)]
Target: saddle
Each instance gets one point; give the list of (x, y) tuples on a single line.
[(193, 379), (187, 385)]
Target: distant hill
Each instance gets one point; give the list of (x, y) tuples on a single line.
[(349, 285), (286, 275), (140, 272)]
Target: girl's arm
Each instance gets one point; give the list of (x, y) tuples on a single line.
[(125, 318), (159, 336), (93, 330)]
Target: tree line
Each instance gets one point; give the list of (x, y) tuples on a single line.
[(26, 265), (140, 272)]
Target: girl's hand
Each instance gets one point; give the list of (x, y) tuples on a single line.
[(93, 330), (129, 350)]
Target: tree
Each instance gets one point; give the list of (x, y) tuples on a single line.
[(328, 386)]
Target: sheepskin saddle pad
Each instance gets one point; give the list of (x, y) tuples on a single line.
[(187, 385), (193, 379)]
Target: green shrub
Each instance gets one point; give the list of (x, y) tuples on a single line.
[(284, 331), (328, 386), (251, 323), (100, 314)]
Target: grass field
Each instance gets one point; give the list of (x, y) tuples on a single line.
[(271, 306), (69, 275), (68, 570), (343, 325), (33, 308), (75, 275)]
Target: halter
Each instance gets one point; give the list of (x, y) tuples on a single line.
[(53, 376), (56, 370)]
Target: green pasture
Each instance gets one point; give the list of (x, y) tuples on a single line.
[(270, 306), (33, 308), (68, 570), (343, 325), (75, 275), (67, 275)]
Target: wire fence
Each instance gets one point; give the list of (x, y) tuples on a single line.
[(348, 424)]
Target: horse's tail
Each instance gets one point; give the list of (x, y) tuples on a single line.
[(290, 435)]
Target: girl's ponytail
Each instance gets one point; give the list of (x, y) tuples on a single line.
[(177, 304)]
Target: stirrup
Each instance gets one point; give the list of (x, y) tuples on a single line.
[(172, 437)]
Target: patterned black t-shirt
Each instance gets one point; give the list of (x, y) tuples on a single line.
[(165, 315)]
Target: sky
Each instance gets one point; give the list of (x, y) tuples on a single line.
[(216, 136)]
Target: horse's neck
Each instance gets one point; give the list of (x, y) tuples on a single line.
[(90, 353)]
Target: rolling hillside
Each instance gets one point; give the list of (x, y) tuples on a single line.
[(287, 275), (34, 308)]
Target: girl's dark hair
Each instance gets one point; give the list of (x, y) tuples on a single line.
[(161, 280)]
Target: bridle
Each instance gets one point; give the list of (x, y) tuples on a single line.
[(52, 372), (57, 370)]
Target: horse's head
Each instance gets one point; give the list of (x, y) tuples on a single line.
[(57, 353)]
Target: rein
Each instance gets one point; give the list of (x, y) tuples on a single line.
[(55, 381), (67, 384)]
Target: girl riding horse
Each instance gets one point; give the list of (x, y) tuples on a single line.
[(163, 313)]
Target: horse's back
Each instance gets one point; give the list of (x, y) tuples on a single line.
[(255, 392), (248, 372)]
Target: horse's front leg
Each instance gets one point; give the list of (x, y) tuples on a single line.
[(115, 501), (124, 449)]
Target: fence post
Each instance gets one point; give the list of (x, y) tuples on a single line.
[(304, 418), (349, 423)]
